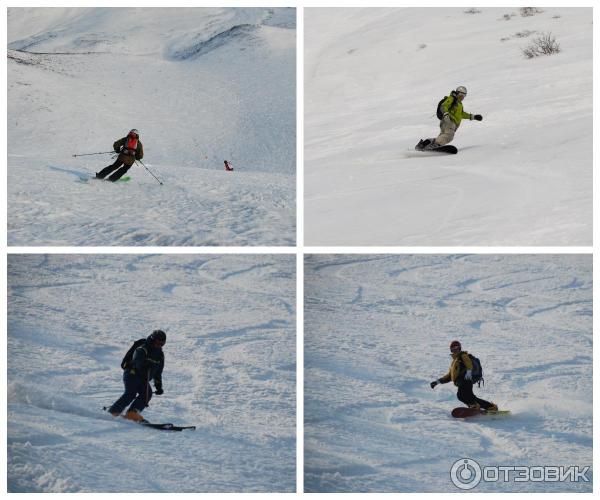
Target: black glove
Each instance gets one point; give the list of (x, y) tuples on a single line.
[(478, 118), (433, 384)]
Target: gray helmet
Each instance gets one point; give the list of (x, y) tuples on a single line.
[(461, 90), (134, 131)]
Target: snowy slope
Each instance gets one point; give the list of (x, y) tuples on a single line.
[(229, 369), (373, 78), (202, 85), (377, 331)]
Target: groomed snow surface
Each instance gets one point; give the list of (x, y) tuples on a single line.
[(202, 85), (377, 332), (373, 78), (229, 369)]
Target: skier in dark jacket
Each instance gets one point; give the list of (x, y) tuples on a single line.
[(147, 364), (130, 149), (460, 374)]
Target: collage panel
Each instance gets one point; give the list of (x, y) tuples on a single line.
[(190, 112), (448, 126), (204, 342), (467, 128), (447, 373)]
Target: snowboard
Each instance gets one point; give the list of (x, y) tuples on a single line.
[(464, 412), (448, 149)]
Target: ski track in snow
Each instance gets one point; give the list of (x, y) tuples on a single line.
[(192, 208), (523, 176), (377, 332), (202, 85), (230, 370)]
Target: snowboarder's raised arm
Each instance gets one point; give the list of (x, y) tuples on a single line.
[(471, 116), (443, 380)]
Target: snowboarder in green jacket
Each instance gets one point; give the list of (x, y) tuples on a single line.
[(452, 114)]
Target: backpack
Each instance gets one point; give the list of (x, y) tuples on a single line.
[(126, 363), (439, 113), (477, 371)]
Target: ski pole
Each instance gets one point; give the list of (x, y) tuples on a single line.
[(147, 385), (102, 153), (157, 179)]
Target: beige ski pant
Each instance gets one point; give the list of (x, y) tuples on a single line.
[(447, 130)]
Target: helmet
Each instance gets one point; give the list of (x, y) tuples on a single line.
[(455, 344), (134, 131), (461, 90), (158, 335)]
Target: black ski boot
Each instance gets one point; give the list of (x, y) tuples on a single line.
[(423, 143), (430, 145)]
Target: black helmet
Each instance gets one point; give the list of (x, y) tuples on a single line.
[(158, 335)]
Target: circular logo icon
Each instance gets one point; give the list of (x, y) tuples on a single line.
[(465, 474)]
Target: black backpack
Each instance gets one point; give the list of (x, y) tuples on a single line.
[(126, 363), (477, 371), (439, 113)]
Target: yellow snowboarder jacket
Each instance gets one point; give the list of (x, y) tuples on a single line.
[(461, 362), (454, 108)]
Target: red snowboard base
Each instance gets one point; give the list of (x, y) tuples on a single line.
[(464, 412)]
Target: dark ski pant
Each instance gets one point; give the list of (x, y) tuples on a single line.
[(465, 394), (118, 167), (137, 389)]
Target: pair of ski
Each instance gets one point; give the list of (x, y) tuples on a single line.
[(167, 427), (160, 427), (464, 412), (125, 178), (87, 177)]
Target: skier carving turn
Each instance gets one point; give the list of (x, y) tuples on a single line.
[(450, 112), (129, 149)]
